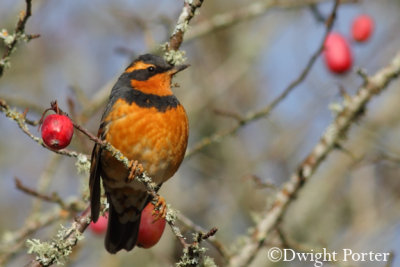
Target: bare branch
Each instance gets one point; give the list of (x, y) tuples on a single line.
[(54, 198)]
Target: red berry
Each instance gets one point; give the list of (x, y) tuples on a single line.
[(57, 131), (337, 53), (362, 28), (150, 231), (100, 226)]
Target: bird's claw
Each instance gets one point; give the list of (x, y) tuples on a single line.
[(135, 169), (160, 209)]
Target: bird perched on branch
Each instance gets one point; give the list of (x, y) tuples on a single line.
[(146, 122)]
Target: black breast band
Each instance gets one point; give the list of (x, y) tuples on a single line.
[(161, 103)]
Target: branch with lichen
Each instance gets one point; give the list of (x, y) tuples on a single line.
[(11, 40), (212, 240), (172, 53), (350, 112), (21, 120), (59, 248), (193, 253), (12, 242)]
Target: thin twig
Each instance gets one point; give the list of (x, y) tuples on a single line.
[(229, 114), (54, 198), (209, 234), (259, 183), (333, 134)]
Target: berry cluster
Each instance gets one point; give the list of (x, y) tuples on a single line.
[(337, 52)]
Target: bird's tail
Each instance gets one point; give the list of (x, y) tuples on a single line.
[(120, 235)]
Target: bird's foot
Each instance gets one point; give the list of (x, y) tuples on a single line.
[(135, 169), (160, 209)]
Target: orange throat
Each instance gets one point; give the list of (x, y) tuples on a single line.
[(159, 84)]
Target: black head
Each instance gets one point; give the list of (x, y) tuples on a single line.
[(148, 65)]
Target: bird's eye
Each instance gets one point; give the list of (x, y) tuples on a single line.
[(151, 69)]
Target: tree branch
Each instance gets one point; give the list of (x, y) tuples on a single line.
[(172, 53), (352, 110), (212, 240), (58, 250), (187, 13)]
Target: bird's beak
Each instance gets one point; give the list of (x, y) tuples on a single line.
[(177, 68)]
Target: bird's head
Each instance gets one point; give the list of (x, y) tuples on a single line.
[(151, 74)]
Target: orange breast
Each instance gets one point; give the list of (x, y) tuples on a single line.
[(156, 139)]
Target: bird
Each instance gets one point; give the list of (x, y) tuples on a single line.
[(144, 120)]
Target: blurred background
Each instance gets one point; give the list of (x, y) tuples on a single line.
[(352, 201)]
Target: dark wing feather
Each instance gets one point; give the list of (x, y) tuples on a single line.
[(95, 170), (94, 183)]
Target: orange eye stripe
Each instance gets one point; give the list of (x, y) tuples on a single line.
[(138, 66)]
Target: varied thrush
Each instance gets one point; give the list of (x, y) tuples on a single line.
[(146, 122)]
